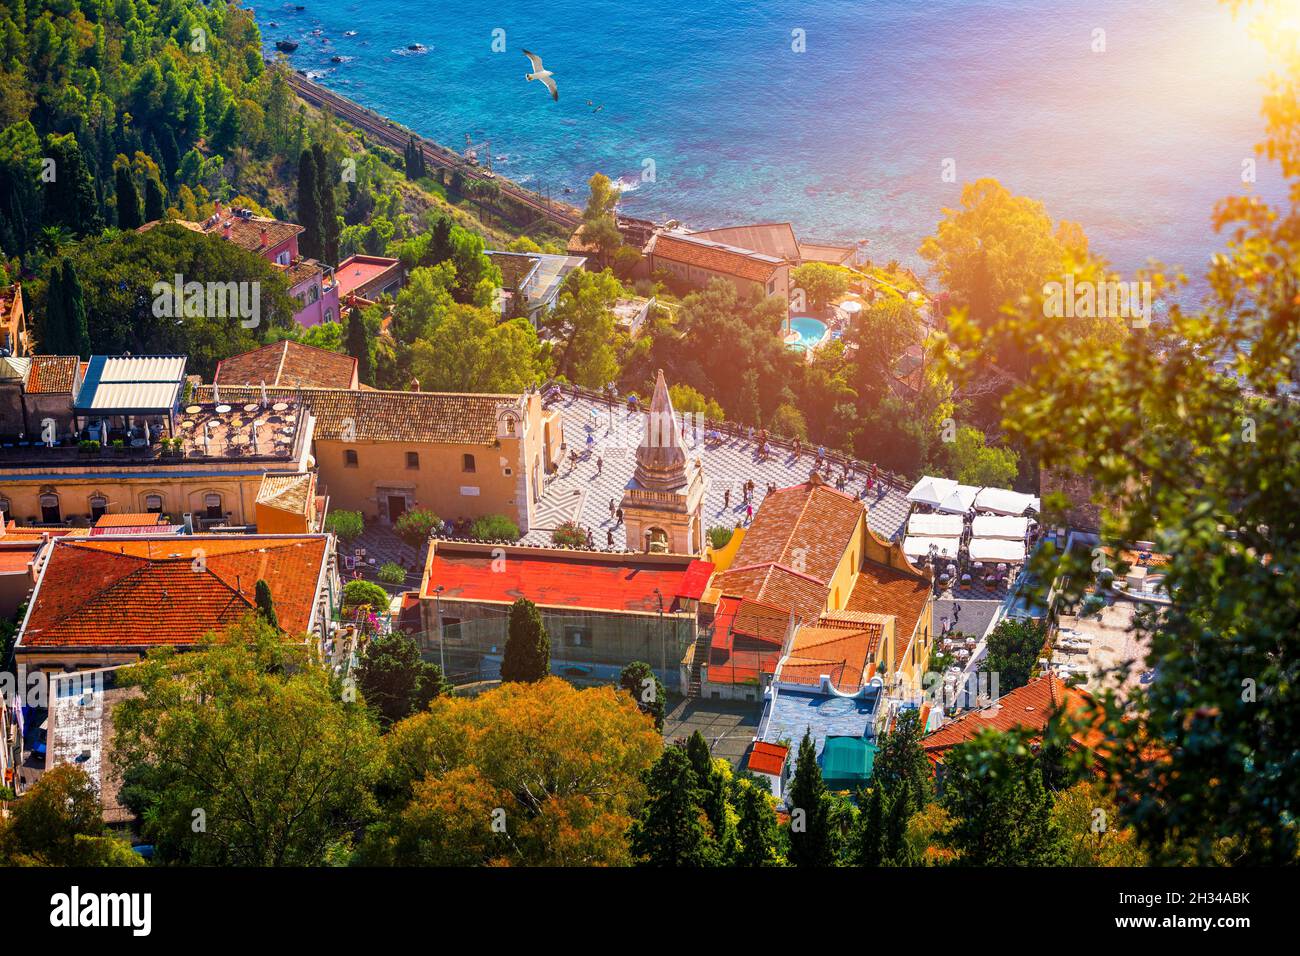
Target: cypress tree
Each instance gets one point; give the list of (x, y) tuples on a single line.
[(328, 211), (128, 199), (54, 326), (811, 839), (265, 606), (358, 345), (155, 202), (712, 787), (895, 849), (75, 325), (871, 830), (309, 243), (527, 655), (756, 829), (670, 831)]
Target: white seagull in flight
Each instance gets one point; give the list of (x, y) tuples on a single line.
[(541, 73)]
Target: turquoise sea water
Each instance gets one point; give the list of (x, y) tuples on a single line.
[(847, 139)]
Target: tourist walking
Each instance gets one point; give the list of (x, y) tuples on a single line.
[(609, 537), (600, 464), (612, 507), (726, 499), (619, 514), (749, 513)]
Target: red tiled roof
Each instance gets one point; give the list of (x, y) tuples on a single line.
[(883, 590), (128, 519), (767, 758), (1031, 706), (51, 374), (696, 580), (839, 650), (554, 579), (288, 363), (713, 258), (16, 556), (747, 639), (148, 591), (791, 550)]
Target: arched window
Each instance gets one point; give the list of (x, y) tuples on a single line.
[(50, 509), (98, 507), (153, 504), (212, 505)]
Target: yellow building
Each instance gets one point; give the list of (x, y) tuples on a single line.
[(458, 455)]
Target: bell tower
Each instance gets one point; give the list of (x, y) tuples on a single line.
[(663, 503)]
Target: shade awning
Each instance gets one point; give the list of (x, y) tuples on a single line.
[(930, 490), (1004, 502), (936, 526), (960, 500), (996, 549), (919, 546), (1000, 526)]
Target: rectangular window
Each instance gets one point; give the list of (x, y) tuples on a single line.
[(577, 636), (467, 463), (413, 460), (350, 458)]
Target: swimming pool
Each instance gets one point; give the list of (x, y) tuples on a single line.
[(805, 332)]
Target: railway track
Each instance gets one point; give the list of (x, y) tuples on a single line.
[(396, 137)]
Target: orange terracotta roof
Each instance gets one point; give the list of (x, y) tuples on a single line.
[(148, 591), (554, 578), (777, 586), (288, 363), (767, 758), (246, 233), (128, 519), (1031, 707), (52, 374), (883, 590), (744, 264), (15, 556), (457, 418), (840, 650)]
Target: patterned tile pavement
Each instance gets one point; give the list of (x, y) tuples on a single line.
[(582, 492)]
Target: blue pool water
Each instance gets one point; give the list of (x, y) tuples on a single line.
[(811, 331), (846, 139)]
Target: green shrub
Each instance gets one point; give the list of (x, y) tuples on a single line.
[(494, 528), (365, 592), (719, 536), (569, 535), (415, 526), (390, 572), (348, 525)]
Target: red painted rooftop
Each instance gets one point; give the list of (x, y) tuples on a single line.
[(356, 271), (767, 758), (561, 579)]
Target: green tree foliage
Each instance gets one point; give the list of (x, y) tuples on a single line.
[(365, 592), (813, 840), (348, 525), (327, 210), (869, 849), (1014, 648), (155, 200), (569, 534), (821, 282), (415, 526), (265, 604), (976, 463), (394, 680), (758, 835), (310, 243), (128, 200), (900, 760), (639, 680), (59, 822), (358, 345), (494, 528), (583, 325), (672, 829), (993, 788), (599, 225), (527, 655), (279, 767)]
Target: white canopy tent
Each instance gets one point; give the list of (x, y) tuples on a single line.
[(959, 500), (1000, 526), (1003, 502), (996, 549), (919, 546), (930, 490), (936, 526)]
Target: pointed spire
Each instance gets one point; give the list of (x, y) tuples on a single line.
[(661, 460)]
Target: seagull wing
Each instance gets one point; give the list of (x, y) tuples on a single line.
[(536, 61), (550, 85)]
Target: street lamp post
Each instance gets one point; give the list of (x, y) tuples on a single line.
[(663, 639)]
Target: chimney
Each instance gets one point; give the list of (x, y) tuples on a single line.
[(188, 520), (225, 231), (415, 384), (216, 206), (264, 237)]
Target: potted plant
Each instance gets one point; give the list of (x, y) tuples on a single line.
[(88, 446), (119, 446)]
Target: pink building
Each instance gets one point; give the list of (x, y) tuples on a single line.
[(314, 286)]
